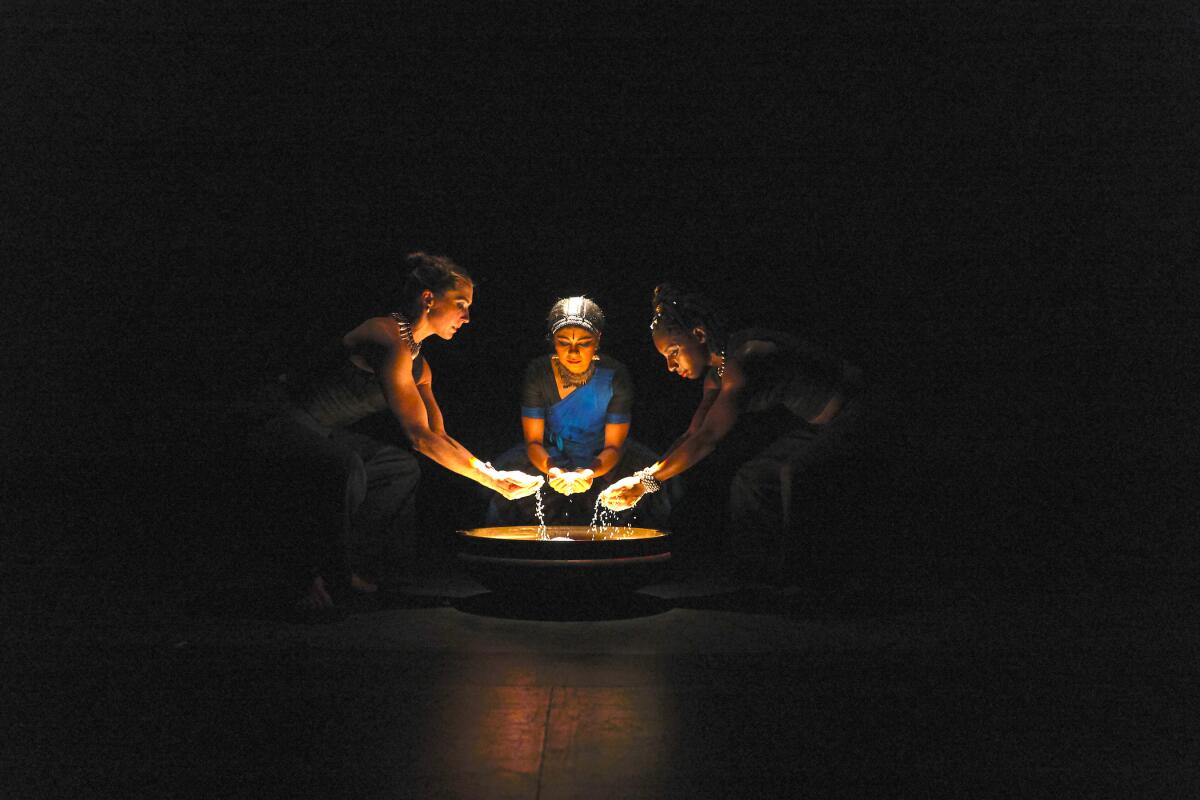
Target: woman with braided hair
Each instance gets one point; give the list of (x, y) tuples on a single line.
[(343, 489), (575, 416), (748, 371)]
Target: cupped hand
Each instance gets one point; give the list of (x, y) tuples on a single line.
[(583, 480), (570, 482), (623, 494), (514, 484)]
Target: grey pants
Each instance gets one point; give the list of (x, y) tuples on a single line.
[(343, 499), (792, 491)]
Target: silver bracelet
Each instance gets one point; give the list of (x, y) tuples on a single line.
[(648, 481)]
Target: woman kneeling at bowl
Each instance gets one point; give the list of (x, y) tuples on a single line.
[(575, 416)]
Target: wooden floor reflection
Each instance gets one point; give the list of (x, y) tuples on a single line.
[(425, 700)]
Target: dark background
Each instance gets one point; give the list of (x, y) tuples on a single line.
[(990, 207)]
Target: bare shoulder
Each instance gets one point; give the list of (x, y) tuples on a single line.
[(754, 347), (376, 330)]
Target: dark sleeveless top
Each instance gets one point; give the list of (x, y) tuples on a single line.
[(798, 375), (337, 393)]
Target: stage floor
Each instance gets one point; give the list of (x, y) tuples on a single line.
[(699, 689)]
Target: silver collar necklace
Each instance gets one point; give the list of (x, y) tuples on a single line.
[(405, 327), (721, 367), (568, 378)]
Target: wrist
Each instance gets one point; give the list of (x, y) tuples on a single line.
[(485, 472), (649, 483)]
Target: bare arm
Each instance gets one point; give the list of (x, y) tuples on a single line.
[(415, 407), (614, 443), (534, 430), (574, 481), (711, 389), (719, 419), (716, 420), (425, 388)]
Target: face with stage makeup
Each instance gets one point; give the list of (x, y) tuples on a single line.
[(575, 347), (575, 325), (685, 352)]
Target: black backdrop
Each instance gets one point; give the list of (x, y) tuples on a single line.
[(990, 208)]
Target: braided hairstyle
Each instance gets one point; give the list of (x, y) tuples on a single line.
[(680, 310), (422, 271)]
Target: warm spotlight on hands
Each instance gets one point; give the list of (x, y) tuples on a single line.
[(623, 494), (572, 482), (514, 484)]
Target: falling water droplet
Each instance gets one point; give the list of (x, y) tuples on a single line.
[(539, 509), (602, 521)]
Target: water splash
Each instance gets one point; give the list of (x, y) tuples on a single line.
[(540, 510), (602, 521)]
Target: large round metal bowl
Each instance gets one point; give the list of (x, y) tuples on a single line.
[(574, 558)]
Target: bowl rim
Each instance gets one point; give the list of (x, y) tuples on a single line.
[(466, 533)]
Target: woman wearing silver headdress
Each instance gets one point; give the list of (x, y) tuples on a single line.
[(576, 407), (348, 490)]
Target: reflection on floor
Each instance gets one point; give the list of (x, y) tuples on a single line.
[(692, 689)]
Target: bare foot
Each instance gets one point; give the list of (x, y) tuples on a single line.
[(315, 597), (361, 584)]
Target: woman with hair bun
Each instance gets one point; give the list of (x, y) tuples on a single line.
[(344, 490), (575, 416), (750, 370)]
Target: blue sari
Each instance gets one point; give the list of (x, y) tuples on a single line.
[(573, 436), (575, 424)]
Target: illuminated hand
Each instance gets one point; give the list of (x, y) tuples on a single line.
[(623, 494), (570, 482), (514, 484)]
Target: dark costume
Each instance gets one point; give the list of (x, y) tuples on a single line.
[(775, 490), (348, 496), (574, 435)]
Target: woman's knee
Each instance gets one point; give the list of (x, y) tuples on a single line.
[(396, 468), (755, 481)]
